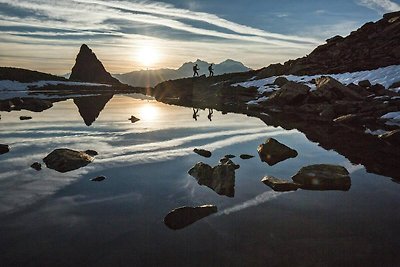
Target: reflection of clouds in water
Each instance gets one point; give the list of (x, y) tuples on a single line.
[(260, 199)]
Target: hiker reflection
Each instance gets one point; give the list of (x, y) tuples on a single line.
[(195, 70), (210, 113), (195, 115)]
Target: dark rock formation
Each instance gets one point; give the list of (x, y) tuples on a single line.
[(89, 107), (245, 156), (280, 81), (273, 152), (181, 217), (65, 160), (323, 177), (31, 104), (230, 156), (202, 152), (290, 93), (37, 166), (26, 76), (98, 179), (4, 149), (88, 68), (91, 152), (365, 83), (24, 118), (279, 185)]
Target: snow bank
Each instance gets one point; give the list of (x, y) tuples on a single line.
[(385, 76)]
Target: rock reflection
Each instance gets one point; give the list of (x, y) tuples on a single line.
[(184, 216), (89, 107)]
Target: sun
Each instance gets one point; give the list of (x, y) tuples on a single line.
[(148, 112), (147, 56)]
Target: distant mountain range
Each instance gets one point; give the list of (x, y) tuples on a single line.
[(150, 78)]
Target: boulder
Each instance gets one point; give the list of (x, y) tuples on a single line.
[(98, 179), (330, 89), (91, 152), (290, 93), (35, 104), (280, 81), (245, 156), (184, 216), (365, 83), (133, 119), (323, 177), (65, 160), (202, 152), (24, 118), (392, 137), (273, 152), (279, 185), (4, 149), (37, 166)]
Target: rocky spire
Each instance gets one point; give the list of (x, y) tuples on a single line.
[(88, 68)]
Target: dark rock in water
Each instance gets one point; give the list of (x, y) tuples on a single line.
[(88, 68), (392, 137), (280, 81), (279, 185), (290, 93), (395, 85), (37, 166), (65, 160), (98, 179), (133, 119), (24, 118), (230, 156), (89, 107), (365, 83), (202, 152), (273, 152), (181, 217), (220, 178), (4, 149), (245, 156), (323, 177), (91, 152)]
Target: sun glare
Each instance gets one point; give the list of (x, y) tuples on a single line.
[(148, 112), (147, 56)]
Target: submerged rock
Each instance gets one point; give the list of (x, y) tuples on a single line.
[(133, 119), (323, 177), (245, 156), (37, 166), (220, 178), (230, 156), (202, 152), (279, 185), (91, 152), (184, 216), (98, 179), (24, 118), (273, 152), (65, 160), (4, 149)]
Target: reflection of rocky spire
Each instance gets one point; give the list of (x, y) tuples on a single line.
[(90, 107)]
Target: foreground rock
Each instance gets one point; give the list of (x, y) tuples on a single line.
[(220, 178), (279, 185), (273, 152), (98, 179), (91, 152), (65, 160), (290, 93), (202, 152), (4, 149), (36, 166), (133, 119), (181, 217), (323, 177)]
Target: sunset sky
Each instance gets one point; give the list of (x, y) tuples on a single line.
[(45, 35)]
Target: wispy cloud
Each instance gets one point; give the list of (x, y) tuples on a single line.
[(381, 6)]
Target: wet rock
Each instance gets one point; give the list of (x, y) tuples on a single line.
[(65, 160), (24, 118), (280, 81), (202, 152), (37, 166), (290, 93), (4, 149), (91, 152), (365, 83), (133, 119), (323, 177), (273, 152), (392, 137), (220, 178), (229, 156), (184, 216), (245, 156), (279, 185), (98, 179)]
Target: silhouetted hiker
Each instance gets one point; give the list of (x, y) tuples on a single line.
[(210, 112), (211, 70), (195, 111), (195, 70)]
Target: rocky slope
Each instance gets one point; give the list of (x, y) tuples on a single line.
[(26, 76), (88, 68)]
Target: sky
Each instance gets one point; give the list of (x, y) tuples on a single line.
[(127, 35)]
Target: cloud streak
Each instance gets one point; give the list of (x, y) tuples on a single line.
[(381, 6)]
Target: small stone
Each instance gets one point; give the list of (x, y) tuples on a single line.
[(202, 152), (365, 83), (24, 118), (133, 119), (4, 149), (273, 152), (279, 185), (230, 156), (98, 179), (91, 152), (245, 156), (37, 166)]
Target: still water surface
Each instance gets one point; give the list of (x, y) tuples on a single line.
[(53, 219)]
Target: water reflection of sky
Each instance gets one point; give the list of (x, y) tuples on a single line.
[(119, 221)]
